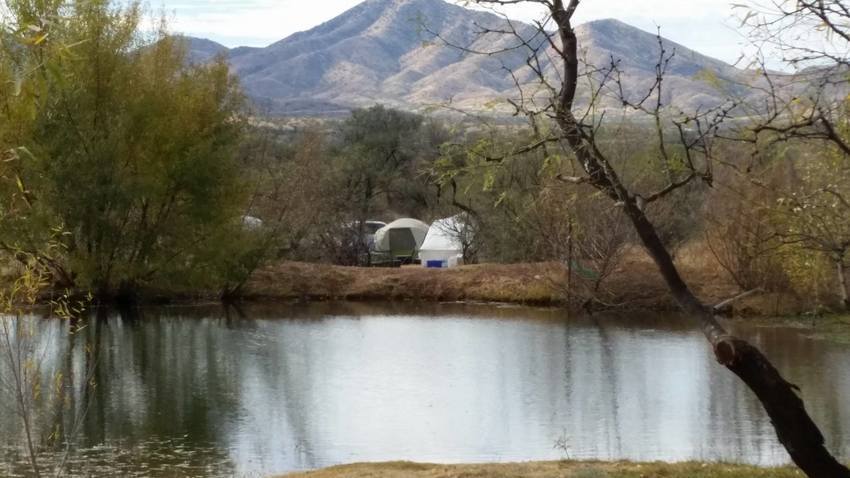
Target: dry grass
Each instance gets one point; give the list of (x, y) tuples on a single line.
[(560, 469), (635, 284), (520, 283), (711, 283)]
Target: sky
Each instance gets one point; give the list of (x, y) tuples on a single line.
[(707, 26)]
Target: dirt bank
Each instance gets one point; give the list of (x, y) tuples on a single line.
[(519, 283), (635, 284)]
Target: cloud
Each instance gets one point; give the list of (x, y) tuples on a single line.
[(257, 22)]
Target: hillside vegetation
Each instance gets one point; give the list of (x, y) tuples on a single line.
[(142, 169)]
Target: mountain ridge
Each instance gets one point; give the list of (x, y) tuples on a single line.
[(382, 51)]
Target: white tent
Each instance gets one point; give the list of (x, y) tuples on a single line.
[(251, 223), (401, 235), (442, 246)]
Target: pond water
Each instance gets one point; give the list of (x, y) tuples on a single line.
[(214, 392)]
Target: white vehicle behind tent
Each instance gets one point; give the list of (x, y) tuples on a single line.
[(353, 229), (442, 246), (402, 238)]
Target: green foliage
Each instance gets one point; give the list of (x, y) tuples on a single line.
[(528, 214), (25, 388), (132, 148), (375, 173), (482, 177), (381, 153), (813, 219)]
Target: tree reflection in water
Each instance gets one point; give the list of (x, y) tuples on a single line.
[(296, 387)]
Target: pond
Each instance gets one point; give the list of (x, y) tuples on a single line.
[(215, 392)]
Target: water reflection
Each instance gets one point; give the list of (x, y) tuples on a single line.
[(297, 387)]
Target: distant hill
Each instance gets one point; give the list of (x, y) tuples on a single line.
[(383, 51), (201, 50)]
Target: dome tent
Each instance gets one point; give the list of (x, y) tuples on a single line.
[(442, 246), (402, 237)]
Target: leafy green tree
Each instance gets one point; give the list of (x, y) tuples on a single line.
[(381, 148), (287, 182), (376, 173), (25, 387), (128, 148)]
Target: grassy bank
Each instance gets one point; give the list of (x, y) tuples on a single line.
[(559, 469), (635, 284), (517, 283), (832, 327)]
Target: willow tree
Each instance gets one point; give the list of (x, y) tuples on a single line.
[(127, 149), (548, 81), (38, 399)]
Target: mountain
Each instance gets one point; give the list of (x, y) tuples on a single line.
[(201, 50), (385, 51), (691, 81)]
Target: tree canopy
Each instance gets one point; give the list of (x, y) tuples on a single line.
[(128, 147)]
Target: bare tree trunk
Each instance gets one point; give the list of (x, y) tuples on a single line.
[(794, 427), (842, 283), (570, 265), (796, 430)]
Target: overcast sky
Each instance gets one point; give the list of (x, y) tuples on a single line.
[(703, 25)]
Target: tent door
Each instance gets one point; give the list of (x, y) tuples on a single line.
[(402, 243)]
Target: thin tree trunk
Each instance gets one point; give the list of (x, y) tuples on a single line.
[(842, 283), (22, 386), (570, 264), (796, 430)]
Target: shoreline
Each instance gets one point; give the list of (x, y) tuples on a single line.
[(549, 469), (635, 285)]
